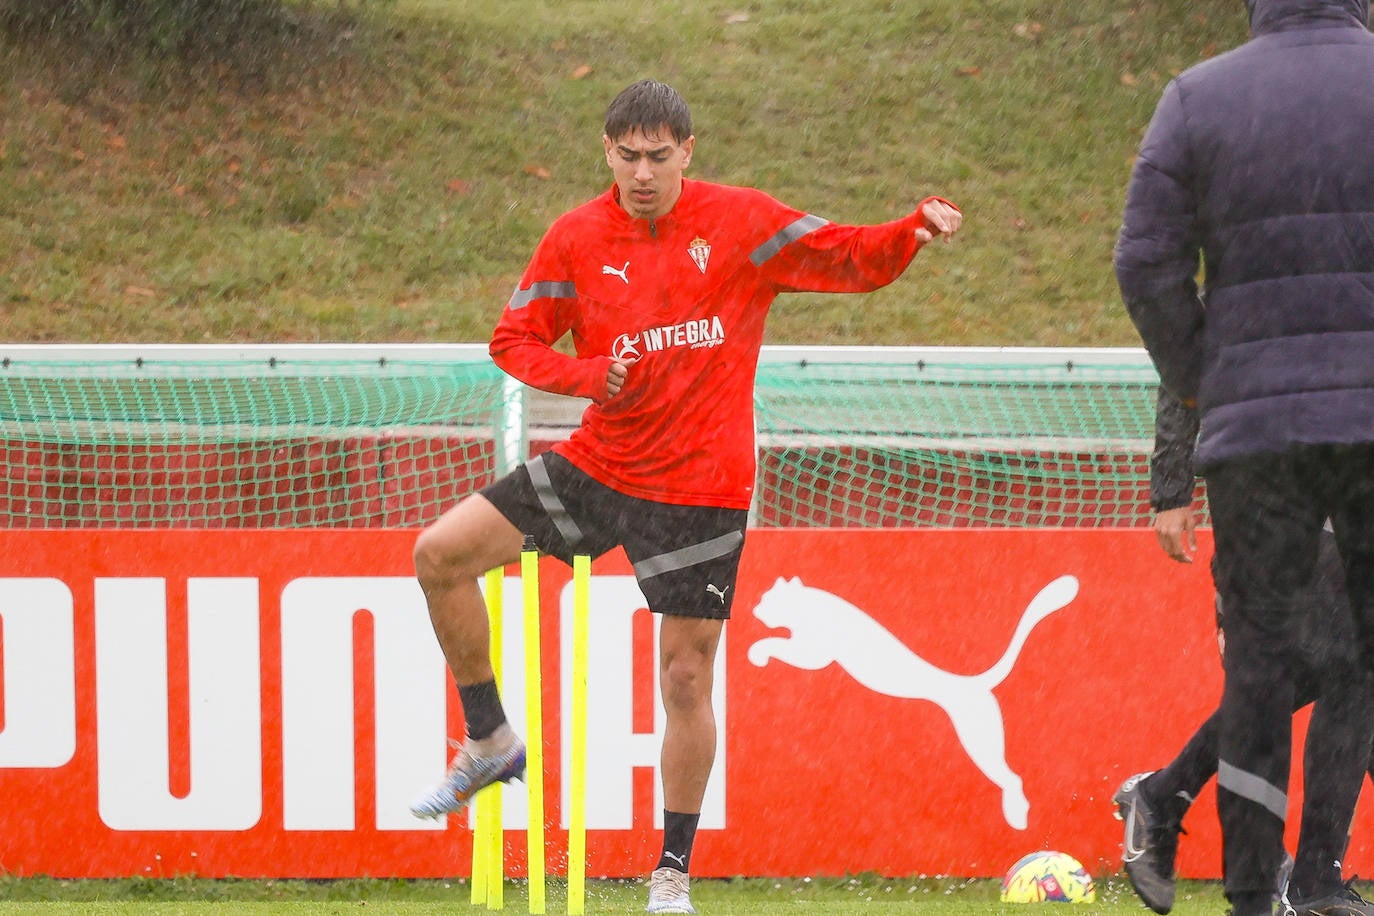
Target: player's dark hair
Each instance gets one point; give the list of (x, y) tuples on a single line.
[(648, 106)]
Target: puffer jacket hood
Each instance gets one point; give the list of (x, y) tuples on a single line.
[(1279, 15)]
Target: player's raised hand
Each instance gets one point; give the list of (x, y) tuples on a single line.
[(940, 217)]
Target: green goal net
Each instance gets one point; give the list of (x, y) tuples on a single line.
[(273, 441), (159, 437), (1032, 439)]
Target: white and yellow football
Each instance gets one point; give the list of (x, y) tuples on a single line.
[(1048, 877)]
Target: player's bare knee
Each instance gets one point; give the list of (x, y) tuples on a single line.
[(686, 683), (437, 563)]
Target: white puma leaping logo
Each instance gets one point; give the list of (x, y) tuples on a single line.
[(608, 269), (825, 629), (717, 592)]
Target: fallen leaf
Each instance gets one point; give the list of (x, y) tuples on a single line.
[(233, 165), (736, 18), (1129, 79), (1019, 223), (968, 71), (458, 186), (581, 72), (115, 142), (538, 171), (143, 291), (1029, 29)]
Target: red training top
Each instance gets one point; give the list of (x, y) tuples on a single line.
[(686, 295)]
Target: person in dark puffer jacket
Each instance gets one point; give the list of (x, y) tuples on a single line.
[(1259, 164), (1326, 669)]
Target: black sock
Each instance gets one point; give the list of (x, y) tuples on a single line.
[(481, 709), (679, 830)]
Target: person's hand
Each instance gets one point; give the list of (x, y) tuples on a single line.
[(942, 218), (1175, 531), (616, 375)]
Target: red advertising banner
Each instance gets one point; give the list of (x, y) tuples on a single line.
[(267, 704)]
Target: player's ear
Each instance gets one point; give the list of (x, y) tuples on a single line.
[(687, 146), (606, 142)]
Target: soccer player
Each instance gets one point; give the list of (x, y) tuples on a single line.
[(663, 283), (1327, 669)]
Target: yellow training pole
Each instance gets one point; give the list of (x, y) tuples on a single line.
[(496, 842), (481, 830), (496, 835), (488, 875), (577, 755), (534, 728)]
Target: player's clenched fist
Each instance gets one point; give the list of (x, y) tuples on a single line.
[(616, 375), (941, 219)]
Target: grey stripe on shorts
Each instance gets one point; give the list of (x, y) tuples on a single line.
[(558, 514), (689, 556)]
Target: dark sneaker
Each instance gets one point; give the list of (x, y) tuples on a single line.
[(1150, 846), (1345, 902), (467, 774)]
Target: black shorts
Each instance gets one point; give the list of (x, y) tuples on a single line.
[(685, 558)]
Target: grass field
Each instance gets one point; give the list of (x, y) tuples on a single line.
[(383, 177), (833, 897)]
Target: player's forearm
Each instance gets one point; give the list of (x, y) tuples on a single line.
[(540, 366), (839, 258), (1172, 479)]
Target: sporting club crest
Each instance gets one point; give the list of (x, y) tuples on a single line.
[(700, 250)]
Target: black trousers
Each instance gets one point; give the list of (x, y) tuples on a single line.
[(1327, 671), (1267, 516)]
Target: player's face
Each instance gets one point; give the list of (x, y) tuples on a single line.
[(648, 170)]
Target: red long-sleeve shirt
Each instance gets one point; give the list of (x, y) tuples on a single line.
[(686, 294)]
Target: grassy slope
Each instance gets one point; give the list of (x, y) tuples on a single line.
[(393, 186)]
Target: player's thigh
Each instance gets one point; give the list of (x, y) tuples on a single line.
[(685, 558), (1266, 527), (467, 540)]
